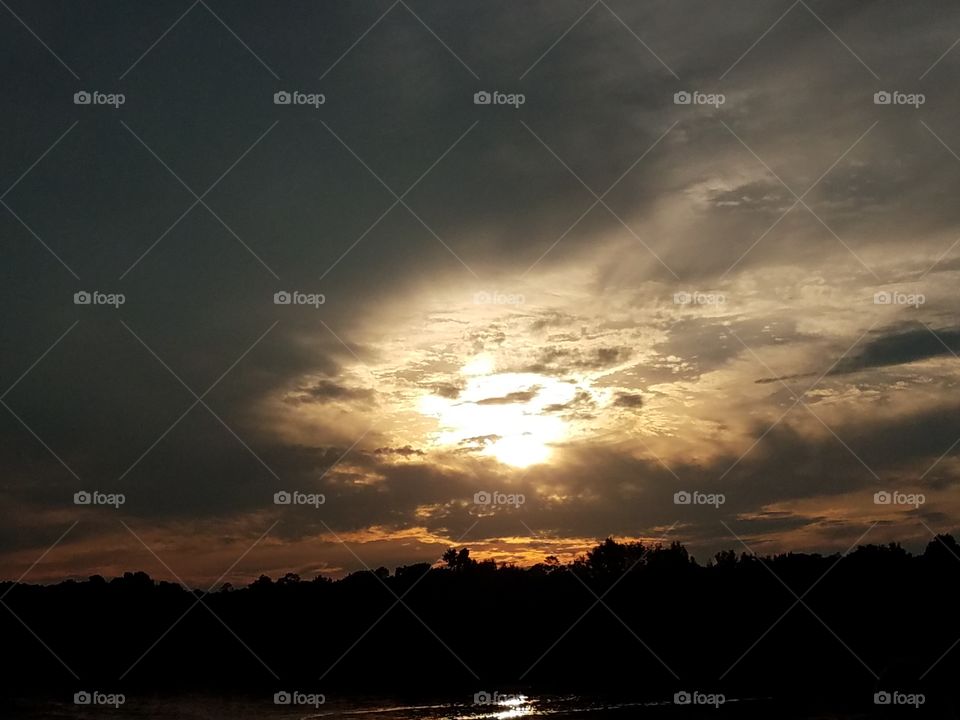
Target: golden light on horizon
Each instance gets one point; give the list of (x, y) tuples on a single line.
[(507, 413)]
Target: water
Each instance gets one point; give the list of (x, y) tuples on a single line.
[(306, 707)]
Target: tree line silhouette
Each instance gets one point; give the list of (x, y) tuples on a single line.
[(625, 617)]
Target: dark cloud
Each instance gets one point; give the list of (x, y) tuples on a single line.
[(480, 440), (760, 196), (582, 400), (447, 390), (901, 347), (405, 451), (784, 378), (520, 396), (561, 360), (324, 391), (889, 348), (628, 400)]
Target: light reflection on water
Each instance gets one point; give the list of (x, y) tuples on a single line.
[(515, 707), (512, 713), (486, 706), (497, 708), (502, 707)]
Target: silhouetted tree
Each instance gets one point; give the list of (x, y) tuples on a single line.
[(458, 560), (411, 572), (942, 549), (499, 618), (725, 559)]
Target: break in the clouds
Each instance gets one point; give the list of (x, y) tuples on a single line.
[(713, 249)]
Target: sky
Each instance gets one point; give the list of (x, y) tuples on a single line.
[(686, 248)]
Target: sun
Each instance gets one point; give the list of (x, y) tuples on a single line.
[(520, 452), (505, 414)]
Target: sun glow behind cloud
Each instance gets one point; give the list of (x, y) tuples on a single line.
[(505, 412)]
